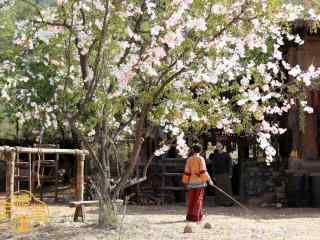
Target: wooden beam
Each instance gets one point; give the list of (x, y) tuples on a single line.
[(84, 203), (43, 150)]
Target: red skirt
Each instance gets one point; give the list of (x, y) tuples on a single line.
[(195, 211)]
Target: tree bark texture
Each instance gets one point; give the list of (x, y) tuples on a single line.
[(140, 130)]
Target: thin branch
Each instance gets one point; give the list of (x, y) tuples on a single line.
[(234, 20), (165, 83), (36, 7), (57, 24), (43, 21), (94, 82), (124, 125), (91, 151), (135, 30)]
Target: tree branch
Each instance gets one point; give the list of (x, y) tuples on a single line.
[(139, 133), (94, 81), (123, 125), (135, 30)]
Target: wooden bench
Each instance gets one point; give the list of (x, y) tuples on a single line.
[(80, 207)]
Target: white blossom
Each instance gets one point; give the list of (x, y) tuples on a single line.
[(162, 150), (308, 109)]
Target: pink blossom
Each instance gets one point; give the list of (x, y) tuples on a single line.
[(55, 29), (172, 39), (125, 77), (116, 94), (157, 54), (211, 44), (61, 2)]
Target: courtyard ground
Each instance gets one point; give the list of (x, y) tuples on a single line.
[(167, 222)]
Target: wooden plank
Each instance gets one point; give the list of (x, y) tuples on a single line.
[(173, 188), (171, 164), (43, 150), (42, 178), (91, 203), (175, 159), (22, 164), (21, 177), (168, 164), (47, 166), (84, 203), (43, 161), (171, 174)]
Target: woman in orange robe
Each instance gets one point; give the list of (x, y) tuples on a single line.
[(195, 177)]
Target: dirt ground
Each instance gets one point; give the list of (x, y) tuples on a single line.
[(167, 222)]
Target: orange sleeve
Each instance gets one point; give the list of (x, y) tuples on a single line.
[(203, 171), (187, 173)]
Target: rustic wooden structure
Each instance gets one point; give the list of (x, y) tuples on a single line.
[(80, 209), (13, 165), (304, 142), (164, 173), (171, 172), (42, 163)]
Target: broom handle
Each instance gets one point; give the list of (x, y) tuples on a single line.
[(226, 194)]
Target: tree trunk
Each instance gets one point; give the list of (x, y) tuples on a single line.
[(140, 130), (107, 212), (75, 138)]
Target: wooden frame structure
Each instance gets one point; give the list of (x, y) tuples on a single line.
[(9, 154)]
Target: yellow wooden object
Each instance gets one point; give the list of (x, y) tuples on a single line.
[(3, 215), (21, 224), (23, 212)]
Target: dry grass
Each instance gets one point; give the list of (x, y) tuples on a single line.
[(159, 223)]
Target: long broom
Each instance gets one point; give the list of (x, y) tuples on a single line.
[(230, 197)]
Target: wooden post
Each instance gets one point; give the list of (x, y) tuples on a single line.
[(56, 177), (80, 176), (163, 180), (8, 171), (18, 173), (10, 157), (243, 155), (12, 172)]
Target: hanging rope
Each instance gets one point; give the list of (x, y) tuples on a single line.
[(30, 172), (38, 168), (39, 156)]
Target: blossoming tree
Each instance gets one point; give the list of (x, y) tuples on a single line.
[(104, 68)]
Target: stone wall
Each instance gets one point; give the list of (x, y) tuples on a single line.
[(264, 182)]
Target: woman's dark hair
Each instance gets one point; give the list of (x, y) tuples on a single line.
[(196, 148)]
